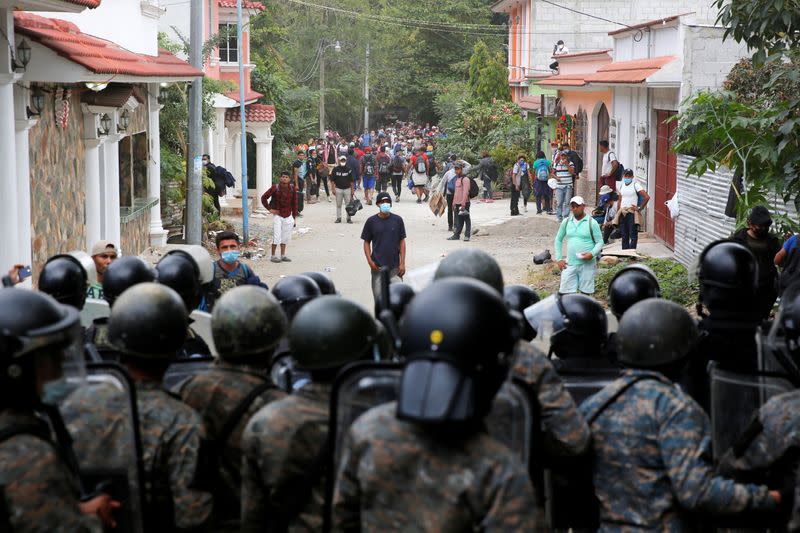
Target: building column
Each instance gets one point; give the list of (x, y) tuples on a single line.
[(10, 252), (111, 217), (158, 235), (236, 155), (93, 202), (263, 165)]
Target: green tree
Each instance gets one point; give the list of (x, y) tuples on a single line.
[(492, 83), (769, 27), (480, 57)]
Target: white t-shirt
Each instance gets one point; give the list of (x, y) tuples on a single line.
[(629, 193), (608, 157)]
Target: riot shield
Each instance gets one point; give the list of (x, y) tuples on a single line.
[(735, 397), (182, 369), (94, 308), (285, 374), (101, 416), (201, 325)]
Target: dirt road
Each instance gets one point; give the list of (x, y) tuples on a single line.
[(319, 244)]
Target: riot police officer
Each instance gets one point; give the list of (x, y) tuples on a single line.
[(41, 489), (325, 284), (64, 278), (400, 295), (518, 298), (431, 444), (179, 271), (471, 263), (651, 451), (293, 292), (283, 449), (632, 284), (247, 323)]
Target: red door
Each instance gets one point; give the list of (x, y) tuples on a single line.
[(666, 178)]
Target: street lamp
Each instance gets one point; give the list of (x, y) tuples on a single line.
[(324, 44)]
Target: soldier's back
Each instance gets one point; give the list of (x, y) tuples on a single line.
[(38, 491), (281, 443), (396, 476)]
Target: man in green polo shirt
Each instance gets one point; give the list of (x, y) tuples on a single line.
[(584, 243), (103, 254)]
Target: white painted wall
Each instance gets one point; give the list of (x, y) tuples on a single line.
[(175, 21), (707, 58), (121, 21)]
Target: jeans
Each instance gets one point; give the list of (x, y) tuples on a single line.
[(487, 189), (397, 184), (342, 196), (321, 181), (383, 182), (514, 200), (563, 196), (449, 197), (461, 221), (628, 228), (376, 281)]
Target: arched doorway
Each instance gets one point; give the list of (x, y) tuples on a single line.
[(602, 135), (252, 169)]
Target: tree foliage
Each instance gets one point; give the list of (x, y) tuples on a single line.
[(769, 27)]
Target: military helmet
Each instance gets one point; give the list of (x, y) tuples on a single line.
[(654, 333), (728, 275), (324, 283), (632, 284), (179, 271), (579, 324), (518, 298), (471, 263), (453, 368), (64, 278), (124, 273), (293, 292), (247, 321), (400, 295), (148, 321), (32, 325), (329, 332)]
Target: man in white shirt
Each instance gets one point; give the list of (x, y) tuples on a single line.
[(610, 164), (629, 209)]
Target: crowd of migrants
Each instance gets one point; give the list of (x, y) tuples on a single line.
[(468, 406)]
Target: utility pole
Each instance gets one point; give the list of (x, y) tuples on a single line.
[(540, 124), (242, 121), (366, 91), (322, 89), (194, 161)]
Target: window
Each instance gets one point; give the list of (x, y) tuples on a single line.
[(228, 45), (132, 169)]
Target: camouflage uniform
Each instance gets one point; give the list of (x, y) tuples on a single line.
[(280, 443), (396, 476), (564, 426), (39, 491), (97, 334), (171, 433), (652, 450), (215, 394)]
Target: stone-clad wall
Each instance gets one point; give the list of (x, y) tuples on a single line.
[(57, 182), (135, 235)]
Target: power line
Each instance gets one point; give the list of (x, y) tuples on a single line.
[(585, 14)]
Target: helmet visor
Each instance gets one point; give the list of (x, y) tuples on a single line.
[(546, 318)]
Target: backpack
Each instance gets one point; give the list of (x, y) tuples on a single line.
[(620, 171), (397, 164), (789, 273), (420, 165), (542, 173), (369, 165), (474, 189), (383, 165), (224, 176), (576, 160)]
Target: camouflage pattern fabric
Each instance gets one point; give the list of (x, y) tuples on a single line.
[(652, 459), (395, 476), (97, 334), (565, 429), (41, 494), (215, 394), (280, 443)]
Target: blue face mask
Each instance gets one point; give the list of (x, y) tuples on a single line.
[(627, 181), (230, 257), (385, 207)]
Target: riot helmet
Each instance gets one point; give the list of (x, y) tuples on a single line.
[(579, 325), (728, 275), (148, 321), (324, 283), (293, 292), (178, 271), (632, 284), (330, 332), (655, 333), (400, 295), (200, 256), (124, 273), (453, 369), (64, 278), (39, 337), (247, 321), (471, 263), (518, 298)]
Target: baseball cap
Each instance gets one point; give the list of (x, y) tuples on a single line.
[(578, 200), (104, 247), (605, 189), (381, 197)]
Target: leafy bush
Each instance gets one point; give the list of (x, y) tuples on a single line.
[(672, 277)]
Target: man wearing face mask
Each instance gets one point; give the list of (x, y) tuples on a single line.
[(229, 272), (384, 238), (632, 201), (764, 245)]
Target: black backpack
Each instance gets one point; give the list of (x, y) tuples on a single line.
[(474, 189), (620, 171), (383, 165), (369, 165), (576, 160), (397, 164)]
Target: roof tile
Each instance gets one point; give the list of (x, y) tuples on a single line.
[(252, 113), (246, 4), (633, 71)]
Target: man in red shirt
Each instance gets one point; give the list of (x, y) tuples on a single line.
[(283, 207)]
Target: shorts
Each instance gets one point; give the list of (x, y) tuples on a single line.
[(369, 182), (420, 180), (282, 229), (578, 278)]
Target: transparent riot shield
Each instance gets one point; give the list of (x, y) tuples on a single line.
[(735, 397), (94, 308), (101, 416), (201, 325), (183, 369)]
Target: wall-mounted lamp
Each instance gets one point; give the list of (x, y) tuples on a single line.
[(124, 121), (105, 125), (22, 56), (37, 102)]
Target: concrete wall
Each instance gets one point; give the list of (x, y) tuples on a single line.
[(707, 58)]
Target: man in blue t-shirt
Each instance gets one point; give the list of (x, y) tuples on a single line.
[(384, 236)]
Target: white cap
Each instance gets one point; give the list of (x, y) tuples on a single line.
[(577, 200)]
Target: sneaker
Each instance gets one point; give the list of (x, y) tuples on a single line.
[(338, 221), (300, 215), (466, 239), (329, 199), (286, 259), (396, 198), (349, 220), (419, 201), (524, 208), (275, 259), (453, 238)]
